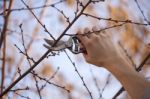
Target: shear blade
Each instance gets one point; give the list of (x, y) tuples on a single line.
[(59, 46), (51, 42), (46, 46)]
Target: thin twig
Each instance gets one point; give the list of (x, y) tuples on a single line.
[(47, 81), (43, 86), (98, 31), (67, 18), (3, 39), (20, 89), (142, 12), (32, 8), (6, 20), (116, 21), (96, 83), (28, 57), (79, 75), (26, 54), (126, 53), (36, 29), (3, 64), (44, 27), (22, 96), (107, 82)]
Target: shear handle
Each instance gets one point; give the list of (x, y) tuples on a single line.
[(75, 48)]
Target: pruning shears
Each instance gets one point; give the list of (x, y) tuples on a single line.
[(73, 44)]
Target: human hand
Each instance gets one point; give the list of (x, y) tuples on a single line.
[(100, 50)]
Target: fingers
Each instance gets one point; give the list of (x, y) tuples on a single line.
[(85, 39), (89, 38), (86, 32), (82, 38), (95, 34), (95, 28), (102, 34)]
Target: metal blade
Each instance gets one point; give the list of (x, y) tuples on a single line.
[(58, 48), (51, 42), (46, 46)]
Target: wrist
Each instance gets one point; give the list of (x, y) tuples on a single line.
[(119, 64)]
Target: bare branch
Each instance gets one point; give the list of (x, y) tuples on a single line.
[(116, 21), (43, 86), (32, 8), (96, 83), (45, 29), (142, 12), (6, 19), (47, 81), (79, 75), (98, 31)]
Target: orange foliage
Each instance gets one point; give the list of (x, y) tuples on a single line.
[(117, 13), (47, 70), (70, 2), (129, 36), (61, 19)]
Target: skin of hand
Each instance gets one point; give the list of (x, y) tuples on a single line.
[(101, 51)]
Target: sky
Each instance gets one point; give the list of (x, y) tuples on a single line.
[(52, 21)]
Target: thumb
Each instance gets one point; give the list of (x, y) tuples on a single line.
[(82, 38), (82, 42)]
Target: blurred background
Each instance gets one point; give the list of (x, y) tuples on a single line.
[(64, 75)]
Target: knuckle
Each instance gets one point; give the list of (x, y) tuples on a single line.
[(96, 38)]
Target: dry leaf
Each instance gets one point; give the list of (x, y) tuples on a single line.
[(70, 2), (47, 70)]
